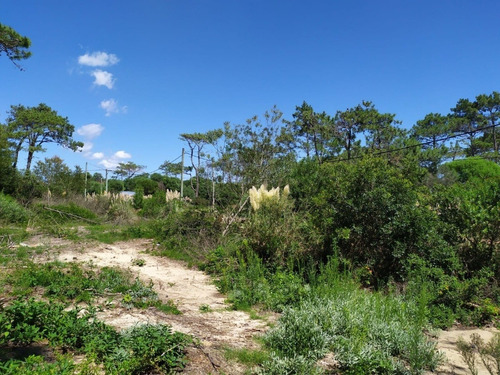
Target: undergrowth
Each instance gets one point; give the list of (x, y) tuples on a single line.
[(69, 282), (137, 350)]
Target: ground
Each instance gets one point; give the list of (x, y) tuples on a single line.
[(205, 314)]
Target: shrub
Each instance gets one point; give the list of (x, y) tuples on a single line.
[(367, 332), (138, 350), (11, 211)]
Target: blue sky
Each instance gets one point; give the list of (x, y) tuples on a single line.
[(132, 75)]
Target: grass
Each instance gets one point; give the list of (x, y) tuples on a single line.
[(247, 357), (70, 282)]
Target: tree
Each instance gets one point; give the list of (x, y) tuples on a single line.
[(7, 173), (54, 174), (128, 169), (196, 142), (380, 128), (429, 131), (312, 131), (36, 126), (465, 118), (258, 151), (171, 169), (347, 125), (14, 45), (489, 109)]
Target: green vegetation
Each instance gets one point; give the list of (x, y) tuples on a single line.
[(364, 236), (133, 351)]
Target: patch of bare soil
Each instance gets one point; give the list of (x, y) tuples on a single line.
[(188, 288), (447, 343)]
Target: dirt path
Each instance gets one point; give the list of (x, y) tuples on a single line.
[(188, 288)]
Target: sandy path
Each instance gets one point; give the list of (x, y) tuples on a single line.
[(455, 365), (188, 288)]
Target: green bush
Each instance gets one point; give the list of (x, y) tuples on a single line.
[(367, 332), (12, 212), (138, 198), (138, 350)]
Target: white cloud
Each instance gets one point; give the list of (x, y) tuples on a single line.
[(109, 163), (97, 155), (111, 106), (113, 161), (122, 155), (90, 131), (103, 78), (98, 59), (87, 146)]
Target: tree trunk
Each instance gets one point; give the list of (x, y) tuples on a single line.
[(28, 164)]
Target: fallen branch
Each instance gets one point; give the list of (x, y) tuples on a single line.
[(68, 214), (233, 218)]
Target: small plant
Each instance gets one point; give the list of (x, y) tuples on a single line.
[(141, 349), (489, 353), (11, 211), (138, 262), (205, 308)]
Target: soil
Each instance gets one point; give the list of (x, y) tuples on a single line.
[(447, 343), (215, 328)]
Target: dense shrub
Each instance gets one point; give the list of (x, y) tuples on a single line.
[(11, 211)]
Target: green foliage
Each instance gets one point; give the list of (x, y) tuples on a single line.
[(122, 212), (70, 282), (37, 365), (473, 168), (11, 211), (156, 206), (14, 45), (137, 350), (187, 232), (367, 332), (372, 213), (138, 201)]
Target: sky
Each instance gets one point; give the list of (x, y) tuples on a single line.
[(131, 76)]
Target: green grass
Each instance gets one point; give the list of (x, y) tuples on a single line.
[(70, 282), (108, 233), (247, 357)]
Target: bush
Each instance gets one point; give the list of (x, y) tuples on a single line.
[(138, 350), (367, 332), (12, 212)]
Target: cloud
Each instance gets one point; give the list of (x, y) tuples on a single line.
[(122, 155), (111, 106), (109, 163), (97, 155), (87, 146), (90, 131), (113, 161), (98, 59), (103, 78)]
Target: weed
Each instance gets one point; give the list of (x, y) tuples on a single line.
[(140, 349), (138, 262), (205, 308)]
